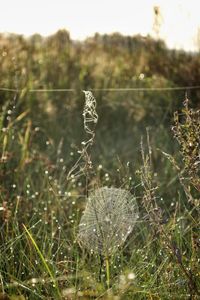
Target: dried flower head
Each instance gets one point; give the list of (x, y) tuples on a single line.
[(187, 132)]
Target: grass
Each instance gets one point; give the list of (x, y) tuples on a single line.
[(40, 257)]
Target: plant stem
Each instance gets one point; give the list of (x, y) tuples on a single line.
[(107, 273)]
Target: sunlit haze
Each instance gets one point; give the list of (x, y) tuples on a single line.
[(179, 20)]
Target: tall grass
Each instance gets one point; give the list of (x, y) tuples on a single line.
[(42, 203)]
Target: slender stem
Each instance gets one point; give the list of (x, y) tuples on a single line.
[(107, 272), (101, 265)]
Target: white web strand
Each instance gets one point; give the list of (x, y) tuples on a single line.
[(90, 119), (90, 115)]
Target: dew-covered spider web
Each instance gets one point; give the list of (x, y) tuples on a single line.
[(90, 119), (108, 219)]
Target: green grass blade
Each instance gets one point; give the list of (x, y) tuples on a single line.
[(43, 260)]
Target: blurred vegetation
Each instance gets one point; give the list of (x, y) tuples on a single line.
[(99, 62), (40, 135)]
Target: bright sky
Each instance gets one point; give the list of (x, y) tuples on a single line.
[(180, 18)]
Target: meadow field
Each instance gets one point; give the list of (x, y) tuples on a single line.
[(111, 126)]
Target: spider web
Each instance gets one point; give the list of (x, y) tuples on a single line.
[(108, 219), (90, 119)]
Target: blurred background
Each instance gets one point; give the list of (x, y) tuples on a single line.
[(45, 46)]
